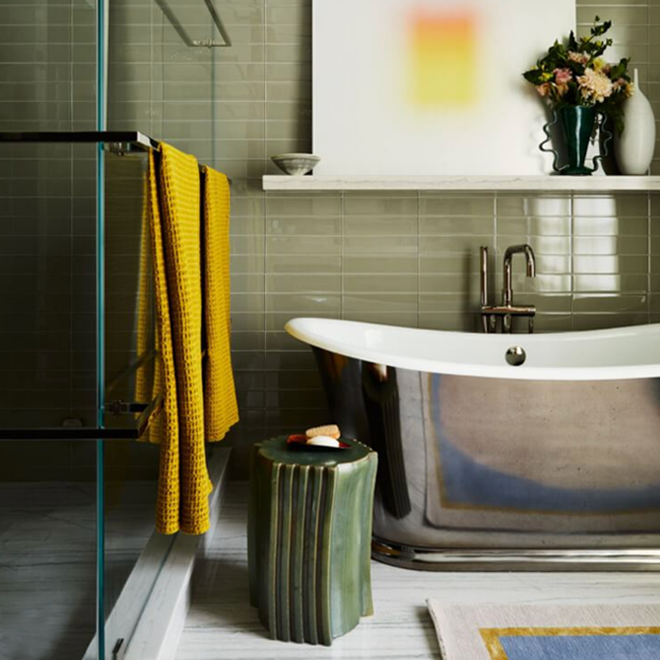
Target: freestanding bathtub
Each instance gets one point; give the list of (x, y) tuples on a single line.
[(550, 464)]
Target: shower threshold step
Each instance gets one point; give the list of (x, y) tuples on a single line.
[(156, 635)]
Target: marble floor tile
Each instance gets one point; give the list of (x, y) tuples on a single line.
[(48, 562), (221, 625)]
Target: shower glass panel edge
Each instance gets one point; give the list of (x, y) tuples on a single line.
[(131, 553), (102, 15)]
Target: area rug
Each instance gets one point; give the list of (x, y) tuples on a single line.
[(547, 632)]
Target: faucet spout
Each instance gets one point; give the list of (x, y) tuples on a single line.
[(530, 258)]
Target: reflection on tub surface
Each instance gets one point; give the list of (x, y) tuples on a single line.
[(542, 463), (535, 448)]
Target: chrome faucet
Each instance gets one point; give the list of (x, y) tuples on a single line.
[(507, 310), (507, 294)]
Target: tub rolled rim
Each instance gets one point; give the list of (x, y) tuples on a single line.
[(639, 341)]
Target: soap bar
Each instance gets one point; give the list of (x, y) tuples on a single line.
[(330, 430), (323, 441)]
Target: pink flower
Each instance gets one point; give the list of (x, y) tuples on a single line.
[(622, 85), (544, 89), (580, 58), (563, 76)]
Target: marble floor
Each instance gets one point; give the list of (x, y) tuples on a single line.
[(48, 562), (221, 625)]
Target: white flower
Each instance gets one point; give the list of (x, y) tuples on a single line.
[(595, 86)]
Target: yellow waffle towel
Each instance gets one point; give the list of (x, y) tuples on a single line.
[(174, 206), (220, 407), (143, 312)]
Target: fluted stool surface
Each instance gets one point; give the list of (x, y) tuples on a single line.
[(309, 538)]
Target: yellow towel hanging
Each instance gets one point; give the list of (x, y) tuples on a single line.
[(174, 205), (220, 407)]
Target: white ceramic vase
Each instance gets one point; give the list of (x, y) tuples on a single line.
[(636, 146)]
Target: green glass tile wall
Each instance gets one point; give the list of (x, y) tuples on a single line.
[(402, 258), (47, 225)]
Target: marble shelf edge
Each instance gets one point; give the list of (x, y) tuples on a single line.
[(543, 184)]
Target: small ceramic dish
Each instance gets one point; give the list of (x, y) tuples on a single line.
[(296, 164)]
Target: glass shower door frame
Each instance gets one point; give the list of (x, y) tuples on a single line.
[(102, 21)]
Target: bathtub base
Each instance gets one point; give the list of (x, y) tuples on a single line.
[(432, 559)]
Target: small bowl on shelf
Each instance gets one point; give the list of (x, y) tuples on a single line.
[(296, 164)]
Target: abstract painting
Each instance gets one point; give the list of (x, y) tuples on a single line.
[(431, 87)]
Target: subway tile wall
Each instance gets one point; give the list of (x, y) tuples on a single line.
[(400, 258), (47, 258), (396, 258)]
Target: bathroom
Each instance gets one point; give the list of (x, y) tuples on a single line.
[(81, 568)]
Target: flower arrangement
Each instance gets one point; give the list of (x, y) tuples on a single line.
[(575, 74)]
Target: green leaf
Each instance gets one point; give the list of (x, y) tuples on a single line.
[(533, 76), (599, 30), (577, 68), (620, 70)]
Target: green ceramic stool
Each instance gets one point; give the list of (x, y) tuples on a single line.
[(309, 538)]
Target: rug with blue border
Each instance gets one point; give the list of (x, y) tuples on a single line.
[(544, 632)]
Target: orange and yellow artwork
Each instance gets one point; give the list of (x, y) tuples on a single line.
[(443, 57), (430, 87)]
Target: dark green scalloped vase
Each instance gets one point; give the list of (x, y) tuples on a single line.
[(578, 127), (309, 539)]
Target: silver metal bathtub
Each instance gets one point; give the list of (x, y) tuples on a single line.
[(489, 473)]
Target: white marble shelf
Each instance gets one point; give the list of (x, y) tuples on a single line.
[(587, 184)]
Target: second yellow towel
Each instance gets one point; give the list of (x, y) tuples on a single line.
[(220, 407)]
